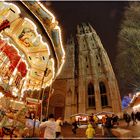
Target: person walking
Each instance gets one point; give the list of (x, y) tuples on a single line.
[(59, 124), (50, 127), (133, 116), (90, 132), (127, 118), (74, 127)]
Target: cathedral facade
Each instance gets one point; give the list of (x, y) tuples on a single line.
[(87, 83)]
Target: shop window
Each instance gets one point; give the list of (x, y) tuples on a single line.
[(103, 94), (91, 95)]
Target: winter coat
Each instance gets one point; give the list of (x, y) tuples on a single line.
[(50, 129), (90, 132), (108, 122), (59, 123)]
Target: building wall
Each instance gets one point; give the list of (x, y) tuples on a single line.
[(87, 62)]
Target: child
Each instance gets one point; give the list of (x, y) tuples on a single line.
[(90, 132)]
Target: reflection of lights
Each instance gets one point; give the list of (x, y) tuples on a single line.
[(1, 95)]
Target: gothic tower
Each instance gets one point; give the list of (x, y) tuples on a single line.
[(87, 80), (97, 85)]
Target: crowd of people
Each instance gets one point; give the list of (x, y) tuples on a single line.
[(51, 128), (107, 122), (134, 117)]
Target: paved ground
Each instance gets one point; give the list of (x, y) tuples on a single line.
[(134, 129), (67, 133), (80, 134)]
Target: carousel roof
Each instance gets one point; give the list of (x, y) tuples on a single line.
[(31, 50)]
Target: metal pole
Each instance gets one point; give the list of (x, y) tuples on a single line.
[(49, 100), (39, 100), (40, 97)]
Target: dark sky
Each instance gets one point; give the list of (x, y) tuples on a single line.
[(105, 17)]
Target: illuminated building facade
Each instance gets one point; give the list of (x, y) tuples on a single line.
[(87, 83)]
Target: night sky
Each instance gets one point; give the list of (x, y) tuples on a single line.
[(105, 17)]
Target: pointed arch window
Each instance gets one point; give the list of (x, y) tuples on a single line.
[(103, 94), (91, 95)]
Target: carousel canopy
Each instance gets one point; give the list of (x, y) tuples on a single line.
[(31, 51)]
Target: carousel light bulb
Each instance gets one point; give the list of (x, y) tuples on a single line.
[(1, 95), (15, 71), (14, 93), (10, 81), (7, 65)]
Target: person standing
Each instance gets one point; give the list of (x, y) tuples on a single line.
[(59, 124), (90, 132), (108, 126), (114, 120), (50, 127), (103, 124)]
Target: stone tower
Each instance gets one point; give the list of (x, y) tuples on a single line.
[(97, 85), (91, 85)]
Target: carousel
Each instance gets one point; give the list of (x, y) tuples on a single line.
[(31, 57)]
